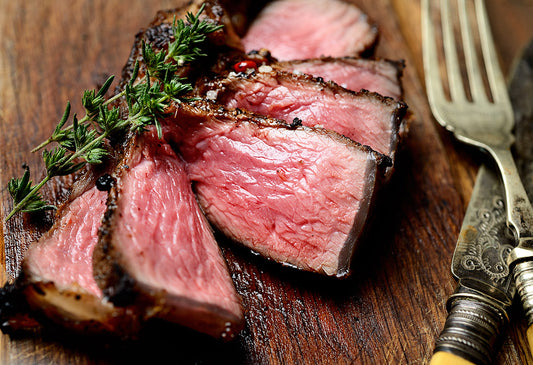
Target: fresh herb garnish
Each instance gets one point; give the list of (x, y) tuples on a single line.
[(83, 141)]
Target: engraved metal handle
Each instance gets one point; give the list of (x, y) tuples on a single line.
[(472, 328), (519, 209), (523, 275)]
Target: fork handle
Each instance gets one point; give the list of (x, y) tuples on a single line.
[(519, 209)]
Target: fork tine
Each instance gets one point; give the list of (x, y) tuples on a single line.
[(455, 82), (496, 80), (477, 89), (434, 87)]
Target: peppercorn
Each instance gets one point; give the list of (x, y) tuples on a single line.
[(105, 182)]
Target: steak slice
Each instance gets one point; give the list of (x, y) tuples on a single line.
[(300, 29), (381, 76), (57, 281), (298, 195), (365, 117), (157, 251)]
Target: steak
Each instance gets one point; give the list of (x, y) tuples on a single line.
[(57, 282), (300, 29), (365, 117), (298, 195), (286, 164), (157, 251), (381, 76)]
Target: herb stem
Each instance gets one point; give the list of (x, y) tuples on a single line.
[(114, 97), (18, 207), (52, 140), (44, 144)]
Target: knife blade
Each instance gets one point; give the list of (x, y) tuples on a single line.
[(478, 311), (521, 95)]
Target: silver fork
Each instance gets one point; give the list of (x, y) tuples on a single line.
[(482, 121)]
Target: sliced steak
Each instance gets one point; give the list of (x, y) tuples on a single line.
[(298, 195), (300, 29), (365, 117), (156, 248), (57, 278), (381, 76)]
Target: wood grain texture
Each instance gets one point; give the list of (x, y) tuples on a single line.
[(390, 311)]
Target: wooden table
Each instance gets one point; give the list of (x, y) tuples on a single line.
[(392, 308)]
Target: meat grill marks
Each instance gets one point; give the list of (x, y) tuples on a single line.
[(56, 281), (381, 75), (365, 117), (156, 250), (301, 29), (297, 195)]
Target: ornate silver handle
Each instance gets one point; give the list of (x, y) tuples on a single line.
[(472, 328)]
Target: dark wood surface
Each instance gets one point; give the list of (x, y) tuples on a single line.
[(389, 311)]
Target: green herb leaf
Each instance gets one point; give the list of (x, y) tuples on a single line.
[(26, 197), (147, 100)]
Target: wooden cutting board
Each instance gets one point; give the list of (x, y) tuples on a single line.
[(392, 308)]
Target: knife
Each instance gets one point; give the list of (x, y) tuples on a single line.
[(521, 95), (478, 311)]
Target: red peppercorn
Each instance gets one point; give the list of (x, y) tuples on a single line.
[(244, 65)]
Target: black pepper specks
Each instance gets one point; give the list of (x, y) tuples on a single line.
[(296, 122), (105, 182)]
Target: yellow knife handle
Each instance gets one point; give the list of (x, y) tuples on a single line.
[(472, 330), (530, 338), (446, 358)]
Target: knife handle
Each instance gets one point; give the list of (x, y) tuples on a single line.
[(471, 331), (446, 358), (523, 275)]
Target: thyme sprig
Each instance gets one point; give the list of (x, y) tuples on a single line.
[(83, 141)]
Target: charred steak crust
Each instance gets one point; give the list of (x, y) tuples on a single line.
[(115, 283)]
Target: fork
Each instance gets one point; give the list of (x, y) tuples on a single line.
[(485, 120)]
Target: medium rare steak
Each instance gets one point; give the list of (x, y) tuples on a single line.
[(381, 76), (365, 117), (300, 29), (156, 249), (57, 279), (298, 195)]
